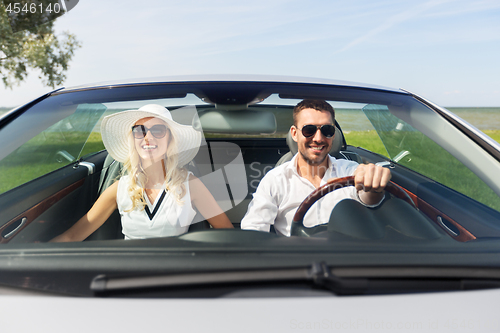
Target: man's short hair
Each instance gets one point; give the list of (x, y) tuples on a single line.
[(319, 105)]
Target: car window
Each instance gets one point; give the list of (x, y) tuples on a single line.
[(53, 148), (358, 130), (414, 150)]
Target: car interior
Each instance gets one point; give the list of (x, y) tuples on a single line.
[(112, 171), (39, 210)]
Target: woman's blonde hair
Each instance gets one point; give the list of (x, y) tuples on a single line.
[(174, 175)]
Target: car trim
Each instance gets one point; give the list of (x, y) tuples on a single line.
[(88, 165), (436, 215), (34, 212), (247, 78), (13, 232), (16, 112)]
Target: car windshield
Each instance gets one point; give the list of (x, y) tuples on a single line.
[(54, 166)]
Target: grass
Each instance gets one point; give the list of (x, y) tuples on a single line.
[(367, 139), (39, 156), (494, 134), (93, 144)]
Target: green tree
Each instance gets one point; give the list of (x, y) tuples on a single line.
[(37, 48)]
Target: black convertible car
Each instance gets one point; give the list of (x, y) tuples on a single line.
[(438, 228)]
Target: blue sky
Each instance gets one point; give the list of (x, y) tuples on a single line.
[(445, 50)]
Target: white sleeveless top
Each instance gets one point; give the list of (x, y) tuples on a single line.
[(165, 217)]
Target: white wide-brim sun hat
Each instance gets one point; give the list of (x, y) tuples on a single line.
[(116, 129)]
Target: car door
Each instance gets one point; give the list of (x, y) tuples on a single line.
[(446, 186), (45, 185)]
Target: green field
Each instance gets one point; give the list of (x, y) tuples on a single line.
[(37, 158), (494, 134)]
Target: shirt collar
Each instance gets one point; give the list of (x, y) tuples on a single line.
[(292, 166)]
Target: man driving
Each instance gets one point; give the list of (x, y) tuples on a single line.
[(283, 189)]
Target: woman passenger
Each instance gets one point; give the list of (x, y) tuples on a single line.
[(156, 195)]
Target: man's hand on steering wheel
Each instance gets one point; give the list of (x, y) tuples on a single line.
[(370, 181), (298, 228)]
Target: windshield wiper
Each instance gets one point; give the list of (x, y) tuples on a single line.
[(318, 275)]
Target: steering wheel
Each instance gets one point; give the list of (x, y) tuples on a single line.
[(298, 228)]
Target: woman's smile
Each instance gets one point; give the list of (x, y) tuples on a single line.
[(149, 147)]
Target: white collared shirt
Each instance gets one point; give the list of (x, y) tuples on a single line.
[(282, 190)]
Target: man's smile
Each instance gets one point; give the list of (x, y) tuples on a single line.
[(317, 148)]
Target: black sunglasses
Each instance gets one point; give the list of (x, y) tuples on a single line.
[(158, 131), (310, 130)]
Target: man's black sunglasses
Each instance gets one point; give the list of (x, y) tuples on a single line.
[(158, 131), (310, 130)]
